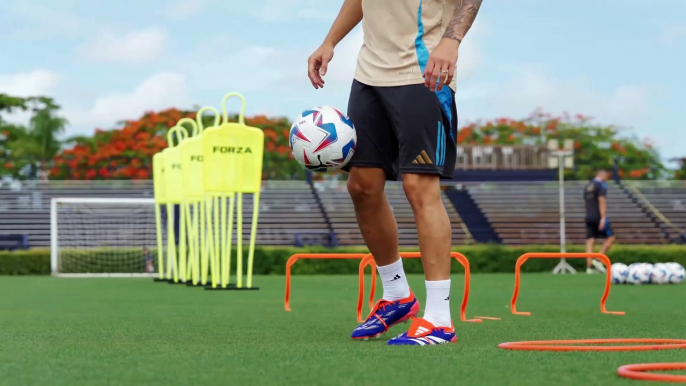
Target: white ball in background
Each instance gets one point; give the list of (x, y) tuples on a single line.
[(676, 272), (659, 274), (619, 273), (638, 274)]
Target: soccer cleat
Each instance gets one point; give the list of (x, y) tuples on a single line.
[(423, 333), (385, 315)]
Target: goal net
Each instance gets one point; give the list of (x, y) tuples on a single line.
[(104, 237)]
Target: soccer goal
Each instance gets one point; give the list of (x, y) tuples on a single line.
[(104, 237)]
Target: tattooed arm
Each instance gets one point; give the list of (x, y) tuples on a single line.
[(440, 69), (463, 18)]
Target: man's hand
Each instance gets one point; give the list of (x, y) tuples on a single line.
[(317, 64), (601, 226), (440, 69)]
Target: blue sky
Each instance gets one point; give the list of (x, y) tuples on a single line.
[(105, 61)]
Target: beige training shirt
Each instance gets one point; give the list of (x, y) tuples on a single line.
[(399, 35)]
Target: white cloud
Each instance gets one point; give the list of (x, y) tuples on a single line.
[(33, 83), (42, 22), (160, 91), (184, 9), (131, 47), (626, 105), (672, 33)]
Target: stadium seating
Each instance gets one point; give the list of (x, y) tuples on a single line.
[(291, 212), (286, 207), (339, 208), (669, 198), (528, 213)]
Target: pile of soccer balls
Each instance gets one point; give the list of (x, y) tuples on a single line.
[(646, 273)]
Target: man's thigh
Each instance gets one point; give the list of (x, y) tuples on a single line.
[(377, 146)]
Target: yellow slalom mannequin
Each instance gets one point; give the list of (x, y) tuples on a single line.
[(194, 192), (188, 235), (160, 199), (174, 195), (232, 160)]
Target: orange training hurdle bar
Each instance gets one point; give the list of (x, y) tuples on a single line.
[(637, 372), (298, 256), (369, 260), (523, 258)]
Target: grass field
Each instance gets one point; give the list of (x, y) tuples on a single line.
[(136, 332)]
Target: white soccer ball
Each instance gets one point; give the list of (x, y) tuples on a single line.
[(659, 274), (638, 274), (322, 139), (676, 272), (619, 273)]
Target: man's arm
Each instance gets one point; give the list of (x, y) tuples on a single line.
[(602, 206), (463, 18), (348, 17), (440, 69)]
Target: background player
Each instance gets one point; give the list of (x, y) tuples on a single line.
[(403, 107), (597, 222)]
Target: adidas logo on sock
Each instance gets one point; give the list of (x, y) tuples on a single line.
[(448, 298), (396, 278), (422, 159)]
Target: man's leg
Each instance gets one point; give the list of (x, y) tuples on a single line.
[(590, 245), (434, 233), (374, 161), (607, 244), (379, 229)]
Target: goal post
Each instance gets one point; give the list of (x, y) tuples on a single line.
[(104, 237)]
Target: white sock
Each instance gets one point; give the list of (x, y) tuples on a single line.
[(437, 308), (395, 285)]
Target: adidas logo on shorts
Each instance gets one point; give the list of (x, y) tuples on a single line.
[(422, 159)]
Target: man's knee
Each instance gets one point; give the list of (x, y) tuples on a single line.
[(365, 184), (421, 189)]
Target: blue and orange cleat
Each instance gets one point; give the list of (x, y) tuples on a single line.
[(423, 333), (385, 315)]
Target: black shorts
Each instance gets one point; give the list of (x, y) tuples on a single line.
[(592, 231), (404, 129)]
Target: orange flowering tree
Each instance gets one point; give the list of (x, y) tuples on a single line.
[(122, 153), (595, 146), (126, 152)]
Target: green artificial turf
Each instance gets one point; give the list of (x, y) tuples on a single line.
[(136, 332)]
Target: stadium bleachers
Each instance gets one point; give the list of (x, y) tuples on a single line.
[(669, 199), (286, 207), (528, 213), (339, 207), (520, 213)]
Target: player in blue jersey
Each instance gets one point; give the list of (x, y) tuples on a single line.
[(402, 103), (597, 223)]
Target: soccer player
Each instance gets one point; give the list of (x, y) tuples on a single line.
[(597, 223), (402, 103)]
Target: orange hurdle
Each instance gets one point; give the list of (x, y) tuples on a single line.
[(620, 345), (637, 371), (523, 258), (369, 260), (298, 256)]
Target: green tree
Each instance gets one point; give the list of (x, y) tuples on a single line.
[(595, 145), (680, 174), (25, 151)]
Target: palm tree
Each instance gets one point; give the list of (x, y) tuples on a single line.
[(38, 145)]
